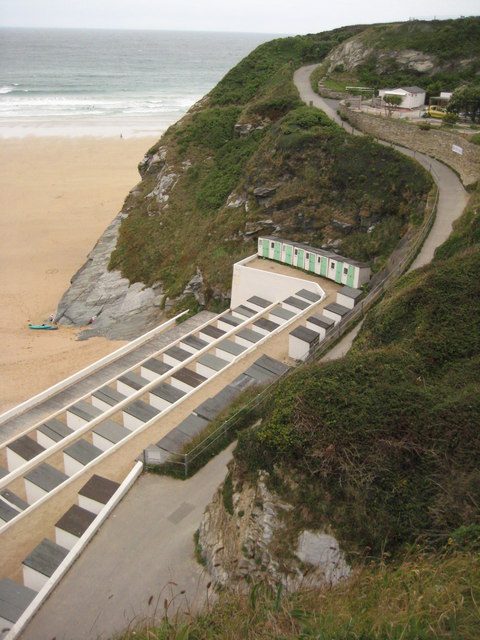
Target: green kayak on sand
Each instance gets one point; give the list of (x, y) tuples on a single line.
[(47, 327)]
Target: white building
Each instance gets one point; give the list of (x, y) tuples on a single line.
[(412, 97)]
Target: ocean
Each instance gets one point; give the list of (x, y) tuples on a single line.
[(68, 82)]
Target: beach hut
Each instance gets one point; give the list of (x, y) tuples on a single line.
[(108, 433), (301, 341), (51, 432), (80, 413), (7, 513), (297, 305), (353, 273), (270, 247), (264, 326), (14, 599), (260, 375), (175, 356), (228, 321), (280, 315), (186, 380), (178, 437), (78, 455), (228, 350), (271, 364), (192, 344), (336, 312), (41, 563), (131, 382), (11, 500), (164, 395), (153, 368), (247, 337), (243, 312), (106, 398), (211, 333), (319, 323), (72, 525), (208, 365), (21, 451), (348, 296), (95, 494), (137, 413), (212, 407), (307, 295), (258, 304), (41, 480)]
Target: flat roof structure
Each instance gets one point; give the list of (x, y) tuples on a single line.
[(194, 342), (232, 321), (212, 362), (76, 520), (46, 557), (318, 252), (298, 303), (213, 332), (306, 335), (233, 348), (133, 380), (259, 374), (157, 366), (11, 498), (266, 325), (177, 353), (174, 441), (111, 431), (189, 377), (14, 599), (350, 292), (141, 410), (167, 392), (242, 310), (321, 321), (82, 451), (192, 425), (99, 489), (259, 302), (280, 312), (3, 472), (84, 410), (272, 365), (7, 512), (26, 447), (338, 309), (308, 295), (45, 476), (242, 382), (212, 407), (250, 335), (109, 396), (55, 430)]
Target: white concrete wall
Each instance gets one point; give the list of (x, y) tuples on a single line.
[(65, 539), (130, 422), (243, 342), (100, 404), (187, 347), (171, 361), (247, 282), (148, 374), (90, 505), (44, 440), (285, 305), (314, 327), (33, 579), (179, 384), (297, 349), (362, 276), (74, 421), (125, 389), (100, 442), (220, 353), (71, 465), (205, 337), (221, 324), (345, 301), (204, 371), (333, 316), (33, 492), (14, 461), (4, 624), (159, 403)]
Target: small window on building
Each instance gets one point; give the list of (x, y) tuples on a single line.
[(272, 245), (296, 252), (307, 256), (345, 270), (332, 265), (319, 259)]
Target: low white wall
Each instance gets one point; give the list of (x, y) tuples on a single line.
[(247, 282)]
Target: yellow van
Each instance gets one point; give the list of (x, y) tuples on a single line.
[(435, 111)]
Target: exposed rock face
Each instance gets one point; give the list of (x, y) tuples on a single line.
[(240, 545), (119, 310)]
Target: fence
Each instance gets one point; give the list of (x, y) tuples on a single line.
[(183, 463)]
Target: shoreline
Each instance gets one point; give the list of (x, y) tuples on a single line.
[(57, 196)]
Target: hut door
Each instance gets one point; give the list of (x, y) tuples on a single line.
[(351, 275), (266, 252), (323, 267), (338, 272), (311, 266), (288, 255), (300, 258), (277, 251)]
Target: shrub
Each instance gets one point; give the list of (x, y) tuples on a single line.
[(424, 126)]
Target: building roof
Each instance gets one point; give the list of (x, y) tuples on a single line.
[(3, 472), (76, 520), (260, 374), (245, 311), (212, 362), (260, 302), (14, 599), (318, 252), (350, 292), (250, 335), (82, 451), (413, 89), (306, 335), (99, 489), (192, 378), (174, 441), (45, 476), (111, 431), (157, 366), (108, 395), (192, 425), (272, 365), (10, 498), (338, 309), (267, 325), (280, 312), (133, 380), (7, 512), (194, 342), (46, 557), (308, 295), (55, 430), (242, 382), (229, 346), (26, 447), (321, 321), (84, 410), (298, 303), (177, 353), (167, 392), (213, 332), (141, 410), (212, 407), (233, 321)]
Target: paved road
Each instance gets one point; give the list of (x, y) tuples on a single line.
[(143, 551), (452, 195)]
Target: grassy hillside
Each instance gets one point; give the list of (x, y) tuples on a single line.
[(452, 45), (253, 132)]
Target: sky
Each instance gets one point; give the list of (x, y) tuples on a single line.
[(261, 16)]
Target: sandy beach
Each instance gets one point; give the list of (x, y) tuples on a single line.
[(57, 195)]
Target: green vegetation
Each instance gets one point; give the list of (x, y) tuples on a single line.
[(317, 171)]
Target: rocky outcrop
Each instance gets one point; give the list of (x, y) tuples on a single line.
[(240, 547)]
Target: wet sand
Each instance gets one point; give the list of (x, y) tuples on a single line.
[(57, 196)]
